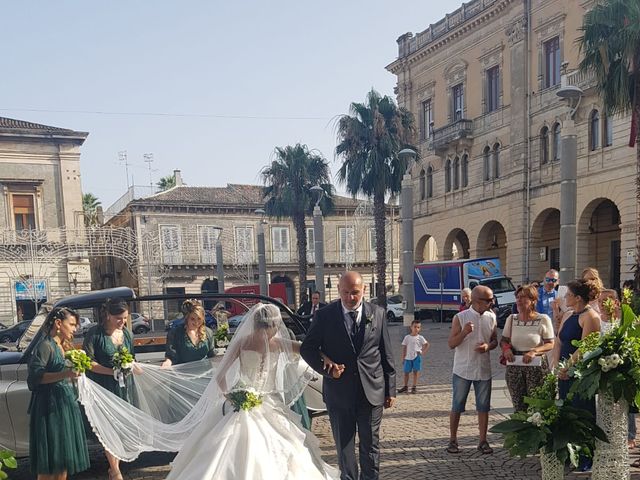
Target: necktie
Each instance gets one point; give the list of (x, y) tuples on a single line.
[(354, 327)]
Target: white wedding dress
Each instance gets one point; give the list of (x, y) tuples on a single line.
[(264, 443)]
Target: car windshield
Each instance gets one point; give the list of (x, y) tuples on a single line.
[(498, 285), (29, 334)]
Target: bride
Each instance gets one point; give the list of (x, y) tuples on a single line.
[(217, 436)]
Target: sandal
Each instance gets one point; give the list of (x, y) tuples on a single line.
[(453, 447), (402, 390), (484, 448), (414, 390)]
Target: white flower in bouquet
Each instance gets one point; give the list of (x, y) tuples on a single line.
[(536, 419)]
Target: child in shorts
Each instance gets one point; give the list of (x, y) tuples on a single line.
[(414, 346)]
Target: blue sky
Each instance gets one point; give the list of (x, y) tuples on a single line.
[(295, 65)]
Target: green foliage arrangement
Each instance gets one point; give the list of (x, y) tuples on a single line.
[(609, 363), (7, 460), (244, 399), (550, 425), (123, 359), (78, 360), (222, 335)]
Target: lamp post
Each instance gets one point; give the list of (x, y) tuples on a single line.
[(568, 185), (219, 262), (262, 260), (406, 214), (318, 240)]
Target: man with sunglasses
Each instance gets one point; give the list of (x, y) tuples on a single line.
[(548, 293), (473, 335)]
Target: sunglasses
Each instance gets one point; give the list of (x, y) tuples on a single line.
[(551, 280)]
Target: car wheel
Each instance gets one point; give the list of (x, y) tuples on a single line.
[(139, 330), (390, 316), (6, 339)]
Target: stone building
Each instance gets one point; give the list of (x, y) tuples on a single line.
[(482, 83), (40, 217), (176, 233)]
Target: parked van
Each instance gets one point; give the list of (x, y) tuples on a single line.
[(437, 286)]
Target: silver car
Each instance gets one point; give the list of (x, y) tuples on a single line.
[(15, 395)]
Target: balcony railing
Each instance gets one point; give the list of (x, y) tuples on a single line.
[(578, 78), (443, 137)]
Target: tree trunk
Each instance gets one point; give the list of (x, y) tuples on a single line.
[(301, 234), (380, 217)]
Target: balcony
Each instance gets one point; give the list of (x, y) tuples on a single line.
[(580, 79), (459, 132)]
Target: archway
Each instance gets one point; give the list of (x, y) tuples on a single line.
[(598, 240), (456, 245), (426, 250), (545, 244), (492, 242)]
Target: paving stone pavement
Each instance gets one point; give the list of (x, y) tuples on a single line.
[(414, 433)]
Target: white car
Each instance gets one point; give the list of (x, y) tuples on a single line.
[(395, 307)]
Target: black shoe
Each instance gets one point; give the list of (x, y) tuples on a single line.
[(402, 390)]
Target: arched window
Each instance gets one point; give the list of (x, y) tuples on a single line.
[(607, 130), (544, 145), (465, 170), (486, 166), (594, 130), (422, 185), (496, 160), (447, 176), (456, 173), (556, 142), (429, 182)]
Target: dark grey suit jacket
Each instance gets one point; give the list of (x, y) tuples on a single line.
[(372, 366)]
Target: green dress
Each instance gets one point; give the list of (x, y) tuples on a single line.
[(180, 348), (100, 349), (56, 431)]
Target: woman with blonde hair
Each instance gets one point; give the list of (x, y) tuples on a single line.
[(192, 340), (592, 274)]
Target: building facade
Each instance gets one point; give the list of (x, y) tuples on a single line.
[(482, 84), (40, 216), (177, 230)]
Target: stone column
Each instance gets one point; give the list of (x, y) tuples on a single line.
[(262, 261), (568, 200), (406, 214)]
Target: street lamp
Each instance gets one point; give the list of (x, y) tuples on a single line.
[(318, 240), (568, 185), (406, 214), (262, 260)]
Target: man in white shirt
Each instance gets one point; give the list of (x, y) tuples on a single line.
[(473, 336)]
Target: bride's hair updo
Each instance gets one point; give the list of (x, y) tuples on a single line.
[(266, 316)]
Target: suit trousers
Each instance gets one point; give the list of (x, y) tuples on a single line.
[(344, 421)]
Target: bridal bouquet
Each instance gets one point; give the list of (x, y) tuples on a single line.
[(77, 360), (244, 399), (222, 335), (550, 426), (122, 364)]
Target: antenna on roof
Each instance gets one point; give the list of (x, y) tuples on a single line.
[(148, 158), (122, 157)]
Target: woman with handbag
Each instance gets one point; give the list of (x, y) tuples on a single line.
[(526, 338)]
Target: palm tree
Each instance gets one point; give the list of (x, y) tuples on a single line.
[(90, 204), (369, 140), (165, 183), (288, 180), (611, 47)]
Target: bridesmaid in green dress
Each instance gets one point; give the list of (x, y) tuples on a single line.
[(58, 445), (191, 341), (100, 343)]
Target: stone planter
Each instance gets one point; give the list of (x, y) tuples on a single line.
[(611, 460)]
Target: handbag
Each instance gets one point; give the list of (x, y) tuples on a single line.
[(502, 359)]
